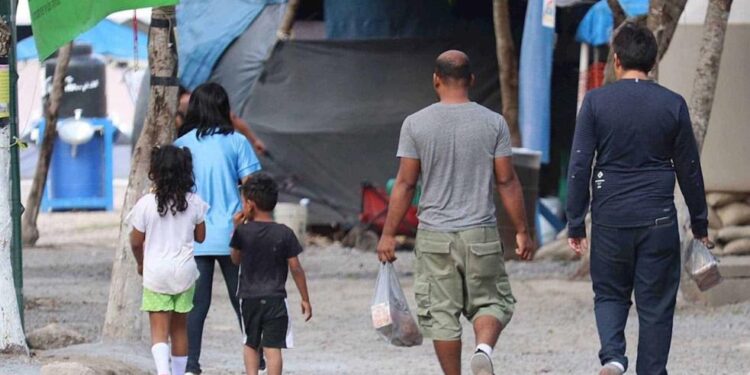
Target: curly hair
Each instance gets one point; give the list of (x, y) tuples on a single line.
[(262, 190), (171, 171)]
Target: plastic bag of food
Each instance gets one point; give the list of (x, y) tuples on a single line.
[(702, 266), (389, 311)]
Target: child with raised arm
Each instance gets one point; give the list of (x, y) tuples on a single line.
[(266, 252), (165, 223)]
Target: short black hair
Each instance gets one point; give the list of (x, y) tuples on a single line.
[(635, 46), (262, 190), (208, 111), (457, 70)]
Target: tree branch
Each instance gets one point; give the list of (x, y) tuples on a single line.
[(508, 68)]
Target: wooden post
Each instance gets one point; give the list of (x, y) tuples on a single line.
[(508, 67), (123, 320), (51, 109)]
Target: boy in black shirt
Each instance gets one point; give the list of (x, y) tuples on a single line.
[(266, 252)]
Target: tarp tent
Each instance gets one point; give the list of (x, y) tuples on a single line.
[(330, 112)]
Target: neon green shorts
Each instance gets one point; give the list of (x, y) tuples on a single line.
[(179, 303)]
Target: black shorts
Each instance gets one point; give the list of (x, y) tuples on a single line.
[(265, 322)]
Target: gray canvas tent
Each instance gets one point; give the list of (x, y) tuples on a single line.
[(330, 112)]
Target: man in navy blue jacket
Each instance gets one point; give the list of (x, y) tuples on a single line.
[(640, 135)]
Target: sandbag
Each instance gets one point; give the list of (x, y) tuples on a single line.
[(734, 214), (714, 221), (719, 199), (737, 247), (729, 234)]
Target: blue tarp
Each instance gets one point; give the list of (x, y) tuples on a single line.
[(206, 28), (106, 38), (535, 77), (596, 26)]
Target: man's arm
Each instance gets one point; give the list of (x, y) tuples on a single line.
[(243, 128), (511, 194), (579, 177), (137, 239), (400, 201), (298, 274), (687, 166)]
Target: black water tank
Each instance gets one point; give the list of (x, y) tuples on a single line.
[(85, 83)]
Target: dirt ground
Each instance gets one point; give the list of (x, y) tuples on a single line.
[(67, 281)]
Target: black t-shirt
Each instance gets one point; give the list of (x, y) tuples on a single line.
[(265, 248)]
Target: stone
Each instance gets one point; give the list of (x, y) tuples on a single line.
[(729, 234), (737, 213), (67, 368), (718, 199), (556, 250), (53, 336)]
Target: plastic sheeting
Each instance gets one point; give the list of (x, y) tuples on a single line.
[(368, 19), (596, 27), (535, 76), (206, 28), (107, 38), (330, 112)]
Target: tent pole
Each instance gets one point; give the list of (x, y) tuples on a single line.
[(583, 70)]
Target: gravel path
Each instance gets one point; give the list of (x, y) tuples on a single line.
[(552, 332)]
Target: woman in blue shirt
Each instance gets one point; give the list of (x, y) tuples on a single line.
[(221, 159)]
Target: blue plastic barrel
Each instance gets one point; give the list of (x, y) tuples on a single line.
[(79, 176)]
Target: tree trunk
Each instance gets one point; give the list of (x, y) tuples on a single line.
[(508, 66), (124, 319), (701, 103), (663, 17), (12, 339), (285, 28), (30, 232), (617, 12), (707, 72)]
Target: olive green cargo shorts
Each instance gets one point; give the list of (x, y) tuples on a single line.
[(460, 273)]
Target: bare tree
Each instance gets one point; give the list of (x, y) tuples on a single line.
[(285, 28), (12, 339), (30, 232), (707, 72), (123, 319), (701, 103), (508, 67)]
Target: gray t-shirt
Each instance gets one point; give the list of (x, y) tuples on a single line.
[(456, 145)]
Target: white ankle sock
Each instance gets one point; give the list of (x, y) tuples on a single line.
[(178, 365), (485, 348), (160, 351)]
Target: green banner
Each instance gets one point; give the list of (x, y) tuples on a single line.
[(56, 22)]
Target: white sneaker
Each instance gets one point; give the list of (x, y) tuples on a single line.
[(612, 368), (481, 364)]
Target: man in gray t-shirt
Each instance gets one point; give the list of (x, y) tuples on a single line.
[(462, 152)]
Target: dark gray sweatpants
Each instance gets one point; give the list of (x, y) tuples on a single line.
[(644, 260)]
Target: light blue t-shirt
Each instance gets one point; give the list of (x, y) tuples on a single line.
[(220, 161)]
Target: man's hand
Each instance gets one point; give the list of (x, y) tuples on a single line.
[(706, 242), (140, 269), (579, 245), (387, 248), (307, 310), (259, 146), (524, 246)]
